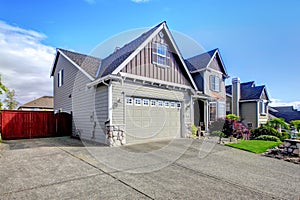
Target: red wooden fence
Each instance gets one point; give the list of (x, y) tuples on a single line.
[(32, 124)]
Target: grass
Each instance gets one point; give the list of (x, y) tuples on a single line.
[(254, 146)]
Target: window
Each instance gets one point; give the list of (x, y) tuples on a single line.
[(160, 54), (221, 110), (167, 104), (152, 103), (227, 106), (129, 101), (178, 105), (262, 107), (145, 102), (137, 102), (160, 103), (60, 78), (172, 104), (214, 83), (212, 111)]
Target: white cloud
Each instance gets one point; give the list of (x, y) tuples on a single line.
[(140, 1), (25, 62), (278, 102)]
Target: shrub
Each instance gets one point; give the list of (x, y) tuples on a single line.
[(264, 130), (194, 130), (268, 138), (284, 135), (0, 138), (218, 133), (232, 117)]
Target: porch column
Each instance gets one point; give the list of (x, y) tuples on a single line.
[(206, 115)]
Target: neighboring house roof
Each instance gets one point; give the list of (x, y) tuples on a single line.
[(202, 61), (288, 113), (249, 91), (44, 102)]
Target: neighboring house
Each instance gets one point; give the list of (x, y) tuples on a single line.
[(44, 103), (209, 73), (143, 89), (248, 101), (288, 113)]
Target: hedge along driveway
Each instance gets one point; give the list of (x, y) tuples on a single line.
[(255, 146)]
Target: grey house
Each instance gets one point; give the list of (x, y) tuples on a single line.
[(143, 91), (248, 101)]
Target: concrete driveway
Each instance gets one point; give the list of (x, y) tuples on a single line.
[(64, 168)]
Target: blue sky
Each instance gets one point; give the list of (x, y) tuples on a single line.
[(259, 39)]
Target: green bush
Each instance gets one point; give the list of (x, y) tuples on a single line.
[(218, 133), (284, 135), (194, 130), (268, 138), (265, 130), (0, 138)]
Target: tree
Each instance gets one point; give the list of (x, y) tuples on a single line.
[(296, 124), (3, 88), (10, 100), (277, 123)]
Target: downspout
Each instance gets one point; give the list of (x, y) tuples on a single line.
[(110, 102)]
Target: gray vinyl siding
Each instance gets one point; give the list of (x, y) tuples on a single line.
[(142, 65), (217, 95), (215, 64), (138, 90), (62, 95), (248, 112)]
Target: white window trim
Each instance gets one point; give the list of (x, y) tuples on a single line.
[(160, 103), (128, 99), (178, 105), (166, 102), (60, 78), (144, 102), (161, 55), (136, 103), (155, 102), (216, 112), (214, 82), (262, 105), (172, 104)]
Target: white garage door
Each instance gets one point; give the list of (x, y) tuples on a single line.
[(148, 119)]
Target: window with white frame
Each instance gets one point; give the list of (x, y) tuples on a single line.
[(152, 103), (227, 106), (137, 101), (167, 104), (160, 54), (178, 105), (160, 103), (172, 104), (129, 101), (263, 107), (214, 83), (145, 102), (60, 78), (213, 111), (221, 110)]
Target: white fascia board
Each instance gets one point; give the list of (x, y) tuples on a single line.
[(250, 100), (105, 78), (180, 56), (222, 63), (127, 60), (152, 80), (53, 64), (77, 66)]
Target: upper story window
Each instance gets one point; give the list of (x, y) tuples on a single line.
[(60, 78), (160, 54), (214, 83), (263, 107)]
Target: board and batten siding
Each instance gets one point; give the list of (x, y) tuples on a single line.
[(142, 65), (248, 112), (129, 89)]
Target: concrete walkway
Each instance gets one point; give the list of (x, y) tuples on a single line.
[(64, 168)]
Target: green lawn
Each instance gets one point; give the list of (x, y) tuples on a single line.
[(255, 146)]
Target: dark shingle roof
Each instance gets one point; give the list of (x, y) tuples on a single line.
[(42, 102), (110, 63), (288, 113), (248, 91), (88, 63), (200, 61)]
